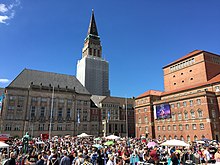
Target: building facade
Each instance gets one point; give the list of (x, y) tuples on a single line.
[(92, 69), (36, 99), (116, 114), (192, 89)]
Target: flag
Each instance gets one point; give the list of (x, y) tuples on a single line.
[(78, 118), (1, 101), (108, 116)]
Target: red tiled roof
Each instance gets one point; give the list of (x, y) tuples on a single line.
[(193, 53), (213, 80), (150, 92)]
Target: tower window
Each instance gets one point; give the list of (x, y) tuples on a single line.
[(190, 71), (174, 83), (191, 78), (90, 51), (94, 52), (182, 81), (174, 76), (181, 73)]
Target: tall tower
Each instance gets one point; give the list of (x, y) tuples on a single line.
[(92, 69)]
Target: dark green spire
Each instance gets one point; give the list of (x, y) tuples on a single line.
[(92, 26)]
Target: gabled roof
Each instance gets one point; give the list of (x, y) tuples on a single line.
[(92, 25), (97, 99), (191, 54), (150, 92), (35, 77)]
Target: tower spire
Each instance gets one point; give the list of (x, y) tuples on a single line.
[(92, 25)]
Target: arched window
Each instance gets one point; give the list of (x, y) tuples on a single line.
[(181, 138), (175, 137), (200, 113), (164, 137), (188, 138), (192, 114), (195, 138), (170, 137)]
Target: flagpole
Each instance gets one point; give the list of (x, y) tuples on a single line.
[(126, 111), (51, 112)]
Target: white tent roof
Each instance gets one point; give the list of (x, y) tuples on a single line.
[(82, 135), (112, 137), (174, 142), (3, 145)]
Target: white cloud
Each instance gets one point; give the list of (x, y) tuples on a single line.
[(7, 12), (4, 80), (3, 8), (3, 18)]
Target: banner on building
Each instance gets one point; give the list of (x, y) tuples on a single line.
[(162, 111), (1, 102)]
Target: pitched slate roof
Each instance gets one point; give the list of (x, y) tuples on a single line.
[(28, 76)]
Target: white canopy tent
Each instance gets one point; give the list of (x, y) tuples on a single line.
[(4, 145), (112, 137), (175, 142), (83, 135)]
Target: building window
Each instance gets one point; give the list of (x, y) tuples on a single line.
[(192, 114), (139, 120), (59, 127), (68, 113), (41, 127), (186, 116), (174, 83), (158, 128), (172, 106), (179, 116), (7, 127), (178, 105), (191, 103), (193, 126), (198, 101), (213, 114), (17, 128), (187, 126), (181, 138), (168, 127), (201, 126), (173, 117), (188, 138), (42, 111), (164, 137), (146, 129), (211, 100), (217, 89), (146, 120), (175, 137), (174, 127), (145, 109), (195, 138), (170, 137), (33, 111), (164, 128), (200, 113), (181, 127)]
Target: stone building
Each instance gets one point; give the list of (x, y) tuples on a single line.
[(116, 114), (28, 105), (192, 90)]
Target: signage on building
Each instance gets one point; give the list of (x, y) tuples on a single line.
[(162, 111)]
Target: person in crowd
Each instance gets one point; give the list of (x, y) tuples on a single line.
[(80, 159), (125, 156), (154, 155), (217, 156), (174, 159), (11, 160), (134, 158), (65, 159), (110, 160)]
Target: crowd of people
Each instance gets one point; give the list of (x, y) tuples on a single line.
[(91, 151)]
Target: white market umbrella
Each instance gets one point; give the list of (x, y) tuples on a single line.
[(83, 135), (174, 142), (4, 145), (112, 137)]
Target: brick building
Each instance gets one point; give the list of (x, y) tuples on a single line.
[(192, 90)]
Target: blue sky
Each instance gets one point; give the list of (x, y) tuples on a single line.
[(138, 37)]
